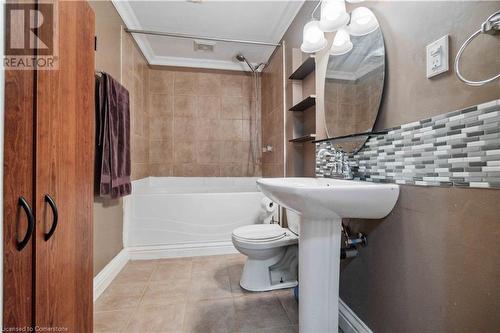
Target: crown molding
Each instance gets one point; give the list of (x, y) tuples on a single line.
[(198, 63)]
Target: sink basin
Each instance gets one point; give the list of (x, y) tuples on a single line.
[(331, 198), (321, 204)]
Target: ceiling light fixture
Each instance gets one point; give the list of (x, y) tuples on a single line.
[(313, 38), (333, 15), (341, 43), (363, 22)]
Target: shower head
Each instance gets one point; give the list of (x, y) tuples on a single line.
[(240, 58)]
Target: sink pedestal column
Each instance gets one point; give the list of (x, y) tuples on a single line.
[(319, 268)]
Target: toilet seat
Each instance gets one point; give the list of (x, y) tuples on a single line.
[(257, 233), (263, 236)]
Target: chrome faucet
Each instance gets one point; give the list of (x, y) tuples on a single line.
[(346, 167), (339, 167)]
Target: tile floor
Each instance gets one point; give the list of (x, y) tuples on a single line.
[(200, 294)]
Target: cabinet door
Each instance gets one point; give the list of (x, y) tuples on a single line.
[(64, 173), (18, 182)]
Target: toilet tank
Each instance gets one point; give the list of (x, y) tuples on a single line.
[(293, 220)]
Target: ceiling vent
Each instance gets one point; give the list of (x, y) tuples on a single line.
[(203, 45)]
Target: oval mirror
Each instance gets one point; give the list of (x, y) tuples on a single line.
[(353, 88)]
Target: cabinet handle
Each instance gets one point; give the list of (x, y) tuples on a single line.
[(31, 223), (55, 215)]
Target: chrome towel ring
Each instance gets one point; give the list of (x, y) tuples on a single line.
[(491, 27)]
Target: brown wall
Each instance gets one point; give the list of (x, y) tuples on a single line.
[(200, 123), (135, 75), (299, 157), (432, 264), (118, 56), (272, 116)]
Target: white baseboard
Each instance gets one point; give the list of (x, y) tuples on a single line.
[(180, 250), (349, 322), (109, 272)]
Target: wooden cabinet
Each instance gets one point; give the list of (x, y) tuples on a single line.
[(49, 148)]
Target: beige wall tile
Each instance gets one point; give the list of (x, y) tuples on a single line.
[(160, 104), (231, 151), (209, 107), (209, 84), (232, 107), (161, 152), (248, 108), (232, 85), (208, 152), (161, 81), (231, 129), (184, 129), (250, 131), (207, 170), (233, 170), (185, 106), (202, 109), (161, 169), (185, 170), (248, 86), (139, 149), (207, 129), (140, 170), (185, 83), (161, 128), (184, 152)]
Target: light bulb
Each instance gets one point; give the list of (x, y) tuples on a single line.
[(313, 39), (333, 15), (363, 22), (341, 43)]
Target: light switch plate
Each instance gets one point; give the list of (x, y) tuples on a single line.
[(438, 56)]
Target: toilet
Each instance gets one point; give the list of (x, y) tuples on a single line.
[(272, 254)]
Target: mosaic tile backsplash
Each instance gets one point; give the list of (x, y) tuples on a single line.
[(460, 148)]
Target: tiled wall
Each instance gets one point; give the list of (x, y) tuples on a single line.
[(135, 79), (200, 123), (272, 116), (461, 148)]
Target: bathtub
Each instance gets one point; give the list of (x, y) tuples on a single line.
[(188, 216)]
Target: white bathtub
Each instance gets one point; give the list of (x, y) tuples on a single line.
[(188, 216)]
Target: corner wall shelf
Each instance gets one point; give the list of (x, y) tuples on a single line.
[(305, 138), (306, 68), (304, 104)]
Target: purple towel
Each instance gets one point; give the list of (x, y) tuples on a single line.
[(112, 138)]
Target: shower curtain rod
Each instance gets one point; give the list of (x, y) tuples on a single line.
[(176, 35)]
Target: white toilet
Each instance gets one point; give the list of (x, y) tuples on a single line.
[(272, 253)]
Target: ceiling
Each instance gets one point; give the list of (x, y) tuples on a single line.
[(264, 21)]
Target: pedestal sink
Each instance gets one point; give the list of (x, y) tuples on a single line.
[(322, 203)]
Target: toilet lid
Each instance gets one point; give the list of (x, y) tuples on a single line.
[(260, 232)]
